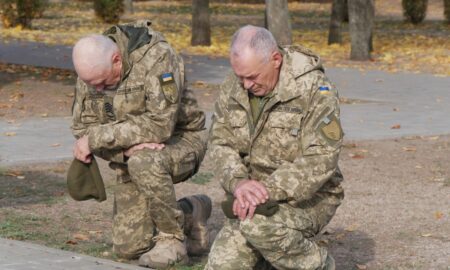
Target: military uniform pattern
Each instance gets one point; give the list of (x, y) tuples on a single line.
[(293, 149), (150, 104)]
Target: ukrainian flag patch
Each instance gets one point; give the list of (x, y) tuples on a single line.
[(167, 77), (324, 90), (168, 86)]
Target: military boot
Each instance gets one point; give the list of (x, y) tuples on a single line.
[(167, 251), (329, 263), (197, 210)]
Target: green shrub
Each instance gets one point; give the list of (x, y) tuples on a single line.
[(21, 12), (447, 10), (414, 10), (109, 11)]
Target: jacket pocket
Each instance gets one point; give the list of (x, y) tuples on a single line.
[(91, 111), (130, 100), (283, 135)]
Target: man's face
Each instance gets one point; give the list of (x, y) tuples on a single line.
[(257, 76), (103, 79)]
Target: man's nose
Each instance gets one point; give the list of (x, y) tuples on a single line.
[(248, 84)]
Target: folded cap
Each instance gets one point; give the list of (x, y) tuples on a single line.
[(267, 209), (85, 182)]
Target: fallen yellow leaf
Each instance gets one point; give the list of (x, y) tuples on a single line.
[(438, 215), (81, 237)]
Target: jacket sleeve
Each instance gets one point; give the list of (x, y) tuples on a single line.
[(157, 123), (223, 147), (321, 140), (78, 128)]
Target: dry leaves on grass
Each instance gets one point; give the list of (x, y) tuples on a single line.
[(397, 46)]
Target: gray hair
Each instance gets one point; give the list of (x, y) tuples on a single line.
[(94, 51), (259, 39)]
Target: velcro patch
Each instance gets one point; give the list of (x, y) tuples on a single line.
[(169, 87), (331, 128)]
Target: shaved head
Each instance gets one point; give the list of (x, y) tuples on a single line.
[(253, 39), (93, 53)]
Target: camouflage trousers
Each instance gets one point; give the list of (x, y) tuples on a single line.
[(281, 241), (144, 199)]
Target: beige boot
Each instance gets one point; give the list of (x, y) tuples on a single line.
[(197, 210), (167, 251)]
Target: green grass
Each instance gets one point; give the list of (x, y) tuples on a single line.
[(202, 178), (19, 227)]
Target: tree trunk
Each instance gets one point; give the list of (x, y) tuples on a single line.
[(336, 19), (128, 4), (345, 11), (361, 15), (201, 28), (278, 22)]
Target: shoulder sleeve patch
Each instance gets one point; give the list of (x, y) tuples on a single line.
[(169, 87), (330, 127)]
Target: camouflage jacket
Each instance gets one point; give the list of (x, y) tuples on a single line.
[(295, 145), (150, 103)]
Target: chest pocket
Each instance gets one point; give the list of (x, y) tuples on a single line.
[(284, 132), (238, 122), (130, 100), (92, 110)]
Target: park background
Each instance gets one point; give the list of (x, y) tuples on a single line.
[(397, 207)]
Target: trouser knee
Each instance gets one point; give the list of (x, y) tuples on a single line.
[(149, 168)]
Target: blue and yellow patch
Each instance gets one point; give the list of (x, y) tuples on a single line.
[(169, 88), (324, 90), (166, 77)]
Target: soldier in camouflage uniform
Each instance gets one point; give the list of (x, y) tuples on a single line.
[(132, 109), (276, 136)]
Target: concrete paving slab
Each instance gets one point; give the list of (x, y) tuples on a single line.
[(36, 54), (16, 255), (417, 103), (35, 140)]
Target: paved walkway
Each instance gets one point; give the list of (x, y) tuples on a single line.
[(416, 103), (16, 255)]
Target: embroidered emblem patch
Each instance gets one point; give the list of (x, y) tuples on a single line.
[(169, 87), (331, 128)]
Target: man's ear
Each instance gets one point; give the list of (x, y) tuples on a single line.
[(116, 58), (277, 59)]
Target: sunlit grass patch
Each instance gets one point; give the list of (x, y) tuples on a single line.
[(202, 178), (398, 46)]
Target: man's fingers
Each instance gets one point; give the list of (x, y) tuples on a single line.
[(243, 211), (240, 199), (260, 189), (236, 207), (251, 212), (251, 198)]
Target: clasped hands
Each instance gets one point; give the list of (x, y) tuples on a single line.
[(248, 195), (82, 152)]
